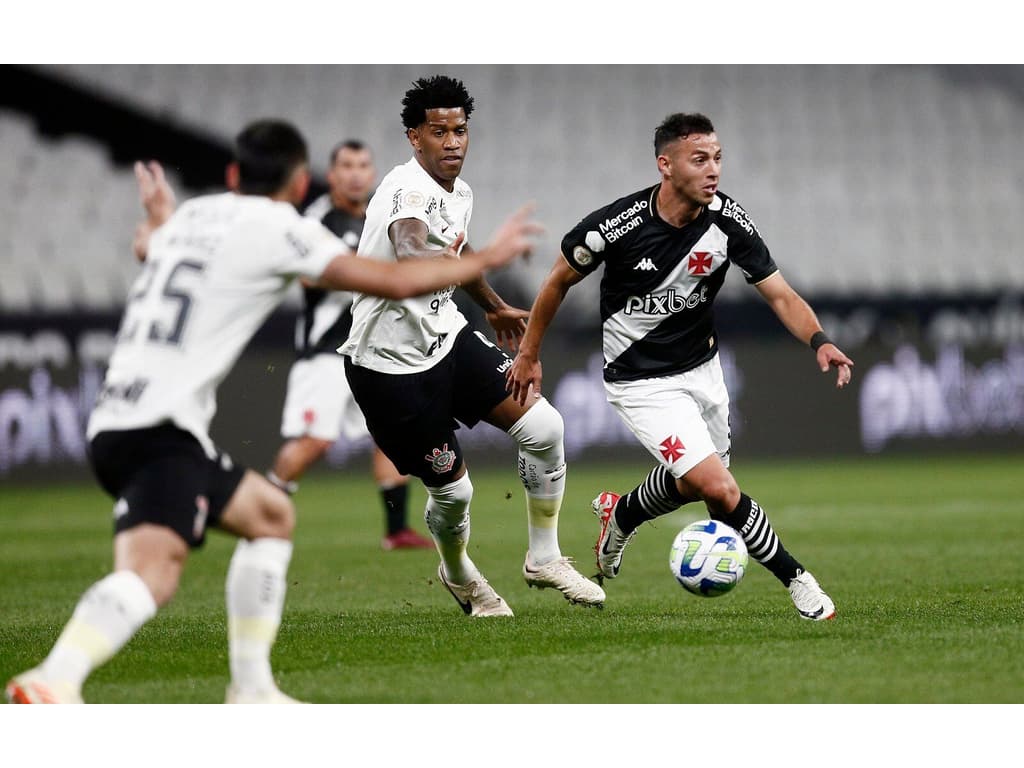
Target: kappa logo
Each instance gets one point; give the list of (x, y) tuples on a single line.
[(645, 265), (441, 459)]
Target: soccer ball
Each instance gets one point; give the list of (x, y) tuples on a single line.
[(708, 558)]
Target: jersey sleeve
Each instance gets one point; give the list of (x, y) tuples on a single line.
[(408, 202), (584, 248), (746, 248), (308, 247)]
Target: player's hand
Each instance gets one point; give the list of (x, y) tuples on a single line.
[(155, 192), (140, 243), (452, 251), (509, 324), (514, 238), (830, 356), (524, 375)]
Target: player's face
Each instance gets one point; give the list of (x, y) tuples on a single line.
[(352, 175), (692, 166), (441, 143)]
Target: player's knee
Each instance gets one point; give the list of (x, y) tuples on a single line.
[(279, 518), (449, 504), (721, 493), (161, 577), (540, 429)]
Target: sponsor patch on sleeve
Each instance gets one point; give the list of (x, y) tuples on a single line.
[(582, 256), (413, 199)]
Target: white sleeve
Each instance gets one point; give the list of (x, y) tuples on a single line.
[(308, 248), (408, 203)]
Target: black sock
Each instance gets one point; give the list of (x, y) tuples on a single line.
[(657, 495), (763, 545), (394, 499)]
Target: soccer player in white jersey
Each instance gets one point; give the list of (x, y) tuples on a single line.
[(666, 250), (213, 272), (318, 406), (416, 367)]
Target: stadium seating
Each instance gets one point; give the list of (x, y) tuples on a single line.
[(864, 180)]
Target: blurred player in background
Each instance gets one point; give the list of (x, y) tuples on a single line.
[(319, 406), (666, 250), (417, 369), (213, 271)]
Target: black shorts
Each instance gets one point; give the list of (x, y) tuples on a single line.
[(162, 475), (413, 416)]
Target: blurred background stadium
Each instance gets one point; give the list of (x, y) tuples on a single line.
[(889, 195)]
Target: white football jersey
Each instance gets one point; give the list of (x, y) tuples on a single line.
[(214, 272), (413, 334)]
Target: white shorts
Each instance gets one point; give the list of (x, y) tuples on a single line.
[(680, 419), (319, 402)]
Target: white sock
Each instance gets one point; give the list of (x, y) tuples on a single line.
[(447, 517), (255, 599), (106, 617), (542, 471)]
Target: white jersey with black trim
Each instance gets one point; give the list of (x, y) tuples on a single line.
[(410, 335), (214, 272)]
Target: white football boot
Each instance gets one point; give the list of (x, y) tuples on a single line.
[(33, 687), (561, 575), (810, 599), (477, 598), (612, 541), (272, 696)]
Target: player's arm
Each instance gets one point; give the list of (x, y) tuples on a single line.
[(414, 277), (157, 200), (526, 368), (800, 320), (508, 322)]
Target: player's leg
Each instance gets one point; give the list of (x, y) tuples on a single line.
[(712, 481), (156, 475), (409, 417), (667, 420), (394, 494), (263, 518), (538, 431), (311, 417)]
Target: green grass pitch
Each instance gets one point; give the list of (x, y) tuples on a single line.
[(924, 558)]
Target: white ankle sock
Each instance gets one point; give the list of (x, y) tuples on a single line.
[(255, 599), (106, 617)]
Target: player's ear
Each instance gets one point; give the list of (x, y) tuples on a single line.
[(298, 184), (231, 177), (664, 166), (414, 138)]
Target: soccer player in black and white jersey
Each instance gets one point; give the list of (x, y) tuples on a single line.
[(665, 251), (417, 368), (212, 273), (319, 407)]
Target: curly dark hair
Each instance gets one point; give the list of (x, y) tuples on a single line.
[(679, 126), (434, 92)]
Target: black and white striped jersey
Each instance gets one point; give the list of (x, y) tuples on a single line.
[(327, 315), (660, 281)]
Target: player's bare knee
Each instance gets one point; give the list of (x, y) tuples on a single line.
[(721, 493), (277, 518)]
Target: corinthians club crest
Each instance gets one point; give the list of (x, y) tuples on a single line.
[(441, 460)]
